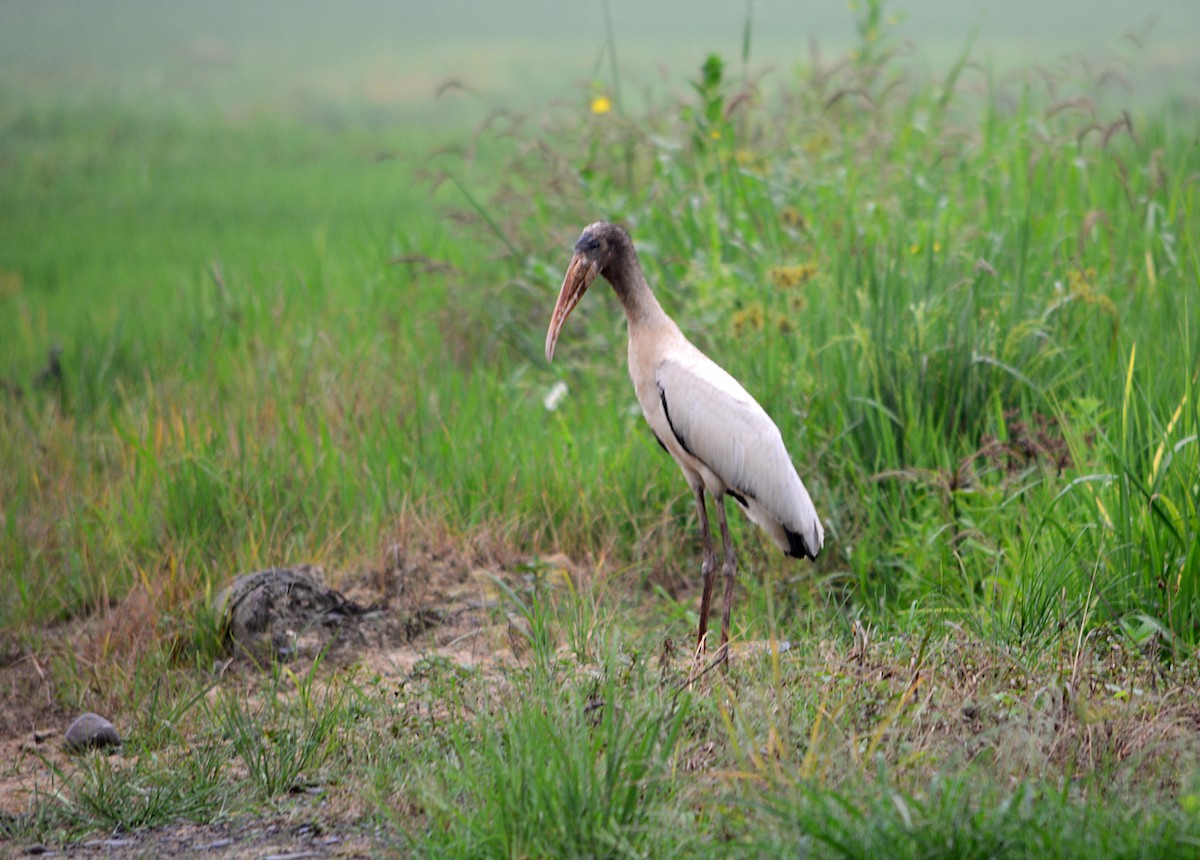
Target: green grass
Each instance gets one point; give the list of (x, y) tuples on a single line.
[(231, 342), (989, 351)]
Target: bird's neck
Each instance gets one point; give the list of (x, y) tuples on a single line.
[(641, 307)]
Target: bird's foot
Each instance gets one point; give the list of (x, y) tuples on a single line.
[(697, 669), (700, 667), (722, 657)]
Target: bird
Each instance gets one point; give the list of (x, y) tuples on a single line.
[(722, 439)]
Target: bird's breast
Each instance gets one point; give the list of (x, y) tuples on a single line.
[(647, 353)]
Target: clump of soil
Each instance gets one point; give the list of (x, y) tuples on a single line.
[(433, 596), (285, 612)]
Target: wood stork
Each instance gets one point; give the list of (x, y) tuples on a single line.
[(724, 442)]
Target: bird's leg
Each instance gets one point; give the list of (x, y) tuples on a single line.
[(730, 568), (707, 568)]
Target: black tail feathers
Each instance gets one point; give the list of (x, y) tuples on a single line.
[(797, 548)]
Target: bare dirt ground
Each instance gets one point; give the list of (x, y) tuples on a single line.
[(1105, 705), (430, 599), (265, 839)]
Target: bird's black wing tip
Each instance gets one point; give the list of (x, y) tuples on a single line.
[(797, 548)]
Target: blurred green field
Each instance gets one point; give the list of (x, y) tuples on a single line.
[(391, 58), (265, 301)]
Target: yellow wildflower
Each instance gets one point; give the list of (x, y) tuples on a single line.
[(601, 104), (1081, 281), (1083, 288), (750, 160), (748, 319), (788, 277), (791, 217), (715, 134)]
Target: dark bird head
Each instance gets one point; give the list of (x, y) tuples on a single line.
[(601, 246)]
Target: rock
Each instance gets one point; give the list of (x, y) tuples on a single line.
[(283, 613), (91, 732)]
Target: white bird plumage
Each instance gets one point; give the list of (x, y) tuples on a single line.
[(720, 436), (738, 450)]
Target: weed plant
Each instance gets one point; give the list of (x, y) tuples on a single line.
[(967, 302)]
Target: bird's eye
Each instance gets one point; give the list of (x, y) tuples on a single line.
[(588, 244)]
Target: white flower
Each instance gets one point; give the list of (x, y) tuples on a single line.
[(555, 396)]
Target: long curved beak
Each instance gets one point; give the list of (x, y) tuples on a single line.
[(580, 275)]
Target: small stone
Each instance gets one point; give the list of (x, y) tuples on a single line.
[(91, 732)]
